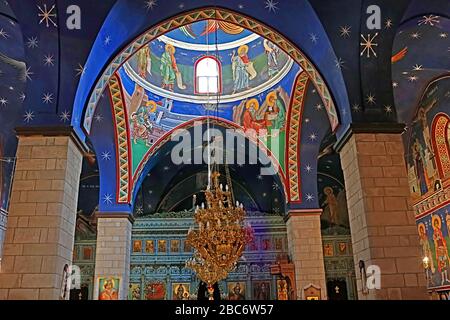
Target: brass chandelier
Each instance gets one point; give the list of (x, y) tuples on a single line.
[(221, 237)]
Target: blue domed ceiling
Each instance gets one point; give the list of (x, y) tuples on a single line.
[(266, 64)]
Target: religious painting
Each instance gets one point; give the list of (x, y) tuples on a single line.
[(87, 253), (266, 244), (134, 291), (149, 246), (440, 245), (282, 290), (180, 291), (342, 248), (108, 288), (433, 230), (279, 244), (236, 290), (175, 246), (312, 292), (428, 153), (162, 246), (261, 290), (328, 250), (187, 247), (137, 246), (75, 253), (155, 290)]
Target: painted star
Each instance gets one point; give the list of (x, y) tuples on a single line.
[(240, 6), (415, 35), (107, 198), (149, 4), (370, 99), (47, 98), (394, 84), (275, 186), (308, 168), (47, 15), (28, 116), (307, 120), (259, 177), (139, 210), (443, 35), (356, 107), (413, 78), (313, 38), (430, 20), (417, 67), (49, 60), (318, 107), (368, 45), (339, 63), (22, 97), (309, 197), (4, 34), (388, 108), (313, 136), (32, 42), (271, 5), (388, 24), (181, 6), (3, 102), (98, 118), (345, 31), (106, 155), (166, 168), (64, 116), (264, 194), (107, 40), (80, 70), (28, 74)]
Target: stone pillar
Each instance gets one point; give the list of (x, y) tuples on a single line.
[(305, 248), (41, 223), (382, 222), (113, 251)]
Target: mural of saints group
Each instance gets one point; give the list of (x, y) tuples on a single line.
[(428, 163), (177, 78)]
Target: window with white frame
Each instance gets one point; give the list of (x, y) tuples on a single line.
[(207, 76)]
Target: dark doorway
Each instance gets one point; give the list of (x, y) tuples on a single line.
[(337, 289), (79, 294)]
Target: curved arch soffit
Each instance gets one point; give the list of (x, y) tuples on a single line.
[(142, 169)]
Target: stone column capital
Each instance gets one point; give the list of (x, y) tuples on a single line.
[(53, 131), (114, 215), (293, 213)]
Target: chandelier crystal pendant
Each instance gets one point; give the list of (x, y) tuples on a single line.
[(221, 236)]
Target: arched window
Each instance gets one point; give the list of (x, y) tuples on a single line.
[(440, 139), (208, 76)]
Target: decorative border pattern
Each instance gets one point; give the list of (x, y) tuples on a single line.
[(218, 14), (440, 144), (122, 141), (293, 138)]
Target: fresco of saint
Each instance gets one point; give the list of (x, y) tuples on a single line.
[(144, 61), (141, 124), (426, 248), (169, 69), (252, 126), (272, 52), (419, 165), (243, 70), (440, 245)]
